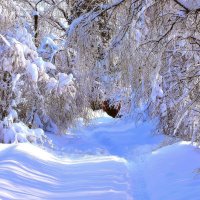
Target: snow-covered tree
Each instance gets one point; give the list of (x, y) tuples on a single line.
[(33, 91)]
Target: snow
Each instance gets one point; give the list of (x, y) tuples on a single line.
[(21, 35), (13, 114), (52, 84), (48, 41), (4, 40), (40, 64), (32, 72), (137, 145), (156, 87), (28, 172), (15, 80), (65, 80), (49, 65), (48, 47), (35, 13), (74, 24), (18, 132), (107, 159), (172, 172), (190, 4)]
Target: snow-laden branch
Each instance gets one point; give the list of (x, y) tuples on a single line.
[(189, 5)]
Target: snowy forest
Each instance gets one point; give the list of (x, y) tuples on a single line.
[(110, 85)]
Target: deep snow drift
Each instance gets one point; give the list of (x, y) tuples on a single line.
[(109, 159)]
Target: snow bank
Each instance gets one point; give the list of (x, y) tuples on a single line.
[(172, 172)]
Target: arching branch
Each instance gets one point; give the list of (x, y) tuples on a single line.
[(183, 6)]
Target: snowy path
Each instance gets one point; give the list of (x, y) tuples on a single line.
[(109, 160), (119, 138)]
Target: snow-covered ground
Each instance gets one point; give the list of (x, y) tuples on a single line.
[(173, 172), (28, 172), (109, 159)]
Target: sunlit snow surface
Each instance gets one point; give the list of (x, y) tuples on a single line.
[(28, 172), (106, 160), (173, 173)]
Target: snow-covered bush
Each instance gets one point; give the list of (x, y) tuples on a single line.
[(60, 100), (19, 132), (29, 92), (8, 13)]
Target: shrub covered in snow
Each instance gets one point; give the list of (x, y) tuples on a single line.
[(19, 132), (29, 93)]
